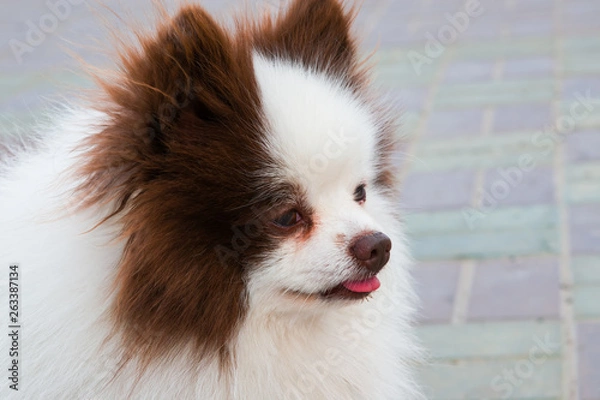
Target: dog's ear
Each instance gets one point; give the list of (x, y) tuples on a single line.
[(315, 33), (177, 85), (184, 103), (191, 63)]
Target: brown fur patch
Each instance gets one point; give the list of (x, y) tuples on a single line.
[(181, 160), (316, 34)]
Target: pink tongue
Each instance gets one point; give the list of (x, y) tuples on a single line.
[(366, 286)]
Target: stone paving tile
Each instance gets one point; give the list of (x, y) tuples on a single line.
[(488, 340), (585, 228), (438, 190), (484, 29), (580, 86), (535, 28), (481, 152), (411, 100), (542, 217), (495, 93), (581, 63), (580, 44), (454, 123), (469, 71), (504, 48), (585, 215), (589, 171), (583, 183), (436, 286), (390, 57), (446, 6), (522, 117), (523, 288), (404, 75), (586, 270), (588, 355), (583, 146), (576, 53), (394, 35), (494, 380), (535, 6), (512, 186), (585, 240), (485, 245), (581, 13), (586, 301), (533, 67), (586, 116), (579, 27)]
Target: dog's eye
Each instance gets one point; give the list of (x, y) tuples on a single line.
[(288, 219), (360, 194)]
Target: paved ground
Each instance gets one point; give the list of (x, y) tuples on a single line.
[(502, 175)]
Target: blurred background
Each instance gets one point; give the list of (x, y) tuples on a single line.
[(500, 105)]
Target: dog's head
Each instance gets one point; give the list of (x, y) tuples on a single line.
[(243, 168), (327, 145)]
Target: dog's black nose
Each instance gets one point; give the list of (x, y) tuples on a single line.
[(372, 251)]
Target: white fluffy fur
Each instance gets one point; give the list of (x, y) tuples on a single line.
[(287, 348)]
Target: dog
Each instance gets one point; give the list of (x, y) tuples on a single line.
[(220, 222)]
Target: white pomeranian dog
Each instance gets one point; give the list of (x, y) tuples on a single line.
[(219, 223)]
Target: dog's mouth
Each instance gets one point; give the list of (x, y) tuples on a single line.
[(352, 290), (347, 290)]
